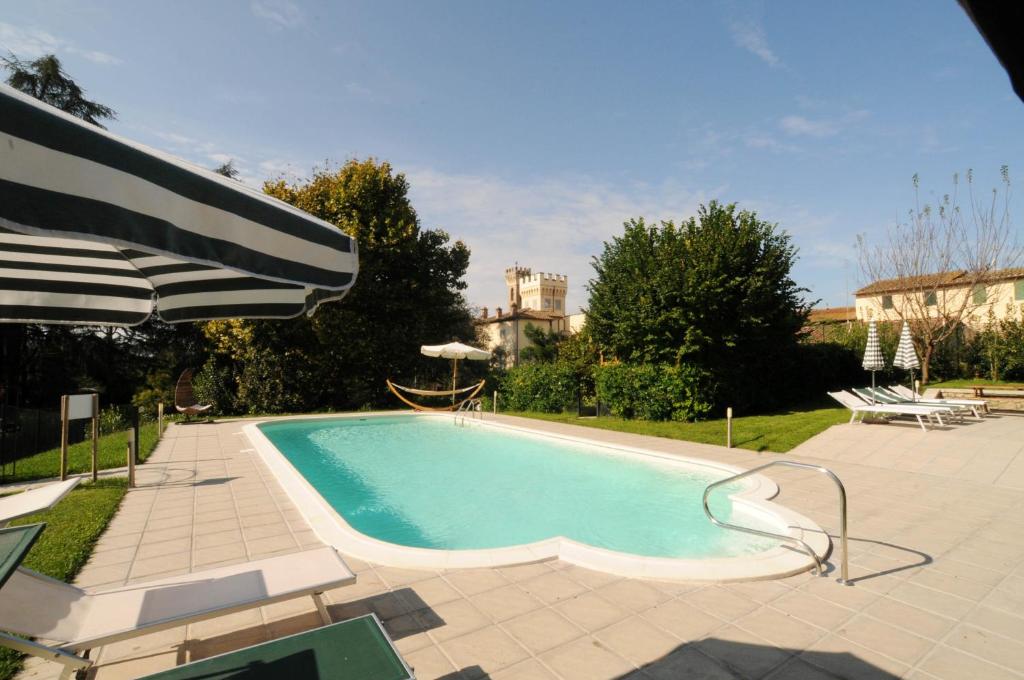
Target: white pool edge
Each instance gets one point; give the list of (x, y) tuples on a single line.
[(331, 528)]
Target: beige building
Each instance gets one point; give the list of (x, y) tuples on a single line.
[(1001, 295), (534, 299)]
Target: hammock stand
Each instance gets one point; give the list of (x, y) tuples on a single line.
[(472, 389)]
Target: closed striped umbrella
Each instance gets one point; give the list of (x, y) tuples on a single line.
[(873, 360), (906, 355), (95, 229)]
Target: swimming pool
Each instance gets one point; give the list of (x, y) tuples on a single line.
[(416, 490)]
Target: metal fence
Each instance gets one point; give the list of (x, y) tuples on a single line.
[(25, 432)]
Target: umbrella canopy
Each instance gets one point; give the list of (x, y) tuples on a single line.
[(906, 356), (95, 229), (455, 350), (873, 360)]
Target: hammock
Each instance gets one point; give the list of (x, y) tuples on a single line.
[(472, 389)]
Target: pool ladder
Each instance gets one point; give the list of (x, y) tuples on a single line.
[(470, 407), (845, 578)]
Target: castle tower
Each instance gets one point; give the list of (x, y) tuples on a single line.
[(540, 292)]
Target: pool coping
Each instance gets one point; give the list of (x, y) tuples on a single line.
[(331, 528)]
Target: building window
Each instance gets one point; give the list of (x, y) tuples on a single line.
[(930, 299), (547, 303), (980, 294), (886, 302), (1018, 290), (558, 305)]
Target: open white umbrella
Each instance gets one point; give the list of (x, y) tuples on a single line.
[(455, 351), (873, 360), (906, 356), (96, 229)]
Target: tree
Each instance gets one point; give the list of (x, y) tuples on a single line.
[(227, 169), (938, 258), (408, 293), (713, 293), (45, 79), (545, 344)]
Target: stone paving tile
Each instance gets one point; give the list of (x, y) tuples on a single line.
[(937, 561)]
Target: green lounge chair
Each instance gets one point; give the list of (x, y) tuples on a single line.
[(358, 649)]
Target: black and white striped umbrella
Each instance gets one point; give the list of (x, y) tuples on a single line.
[(95, 229), (873, 360), (906, 356)]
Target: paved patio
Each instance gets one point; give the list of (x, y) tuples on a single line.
[(936, 552)]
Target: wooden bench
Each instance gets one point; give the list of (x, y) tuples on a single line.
[(979, 390)]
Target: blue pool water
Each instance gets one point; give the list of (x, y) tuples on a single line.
[(423, 482)]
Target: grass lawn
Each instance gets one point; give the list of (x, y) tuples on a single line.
[(72, 528), (777, 432), (967, 382), (110, 453)]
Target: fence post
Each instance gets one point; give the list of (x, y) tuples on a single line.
[(63, 437), (728, 427), (95, 435), (135, 433), (495, 402), (160, 420), (131, 465)]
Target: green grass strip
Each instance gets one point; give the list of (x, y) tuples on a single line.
[(110, 454), (779, 432), (72, 528)]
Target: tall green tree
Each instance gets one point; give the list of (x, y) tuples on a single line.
[(45, 79), (408, 293), (713, 292)]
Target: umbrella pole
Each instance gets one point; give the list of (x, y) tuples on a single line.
[(872, 387), (455, 375), (912, 388)]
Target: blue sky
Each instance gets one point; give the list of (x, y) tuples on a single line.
[(532, 130)]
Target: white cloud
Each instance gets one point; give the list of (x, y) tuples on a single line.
[(280, 13), (30, 43), (801, 126), (550, 225), (748, 33)]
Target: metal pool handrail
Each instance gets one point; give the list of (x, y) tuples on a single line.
[(782, 537), (468, 407)]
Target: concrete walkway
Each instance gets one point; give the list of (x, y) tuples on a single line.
[(937, 551)]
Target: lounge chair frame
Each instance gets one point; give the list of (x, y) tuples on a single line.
[(239, 587), (860, 408)]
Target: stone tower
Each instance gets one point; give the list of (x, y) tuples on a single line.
[(540, 292)]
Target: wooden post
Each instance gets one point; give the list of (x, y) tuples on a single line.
[(728, 428), (95, 436), (63, 437), (135, 433), (131, 466), (160, 420)]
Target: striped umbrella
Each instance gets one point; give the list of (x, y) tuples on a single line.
[(95, 229), (906, 356), (873, 360)]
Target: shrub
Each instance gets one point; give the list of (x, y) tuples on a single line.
[(549, 388), (113, 419), (655, 391), (214, 384)]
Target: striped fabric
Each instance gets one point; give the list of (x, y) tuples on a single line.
[(95, 229), (906, 357), (873, 360)]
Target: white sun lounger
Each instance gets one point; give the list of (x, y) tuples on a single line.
[(977, 406), (72, 621), (882, 396), (34, 500), (858, 407)]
